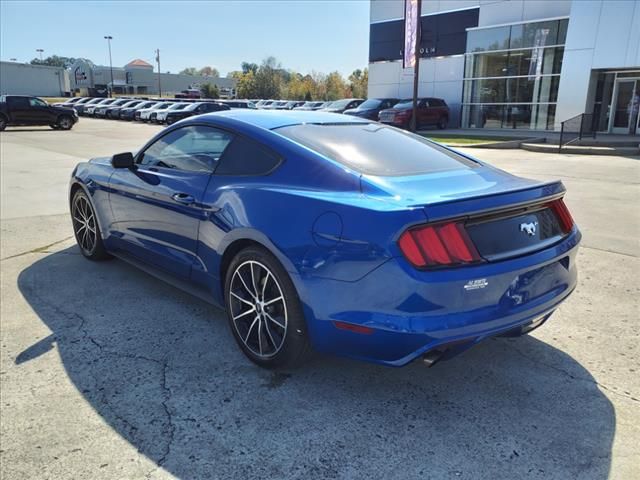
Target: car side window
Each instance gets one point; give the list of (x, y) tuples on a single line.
[(247, 157), (36, 102), (19, 102), (193, 148)]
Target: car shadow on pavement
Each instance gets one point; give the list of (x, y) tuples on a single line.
[(162, 369)]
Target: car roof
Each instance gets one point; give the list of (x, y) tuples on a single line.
[(271, 119)]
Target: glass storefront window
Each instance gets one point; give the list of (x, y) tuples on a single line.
[(516, 87), (515, 116), (562, 31), (489, 64), (488, 39), (515, 63), (537, 34), (543, 89)]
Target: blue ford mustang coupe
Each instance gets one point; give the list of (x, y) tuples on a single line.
[(327, 232)]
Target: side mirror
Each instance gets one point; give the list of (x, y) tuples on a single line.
[(122, 160)]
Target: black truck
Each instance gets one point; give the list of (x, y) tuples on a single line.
[(24, 110)]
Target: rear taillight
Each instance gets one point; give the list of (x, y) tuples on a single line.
[(445, 244), (562, 212)]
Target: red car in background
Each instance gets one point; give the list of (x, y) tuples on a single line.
[(431, 111)]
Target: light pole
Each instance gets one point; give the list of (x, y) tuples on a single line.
[(108, 38), (39, 50), (158, 60)]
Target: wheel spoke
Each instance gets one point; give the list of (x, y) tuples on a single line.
[(78, 219), (251, 310), (264, 285), (246, 339), (274, 300), (242, 299), (260, 335), (253, 295), (253, 279), (84, 239), (266, 327), (274, 320)]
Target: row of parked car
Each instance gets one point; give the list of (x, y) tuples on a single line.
[(165, 111), (392, 111)]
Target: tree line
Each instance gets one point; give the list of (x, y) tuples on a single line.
[(270, 80)]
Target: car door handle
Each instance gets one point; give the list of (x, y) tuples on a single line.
[(183, 198)]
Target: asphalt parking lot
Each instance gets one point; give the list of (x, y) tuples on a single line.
[(108, 373)]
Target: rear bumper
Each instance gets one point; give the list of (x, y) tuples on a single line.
[(412, 312)]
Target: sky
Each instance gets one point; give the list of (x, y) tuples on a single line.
[(304, 35)]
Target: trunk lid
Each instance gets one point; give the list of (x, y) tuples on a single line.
[(504, 215)]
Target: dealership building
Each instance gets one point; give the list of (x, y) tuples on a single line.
[(523, 64), (85, 78), (138, 77)]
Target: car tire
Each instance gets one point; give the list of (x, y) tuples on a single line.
[(3, 122), (264, 311), (442, 123), (54, 126), (65, 122), (86, 229)]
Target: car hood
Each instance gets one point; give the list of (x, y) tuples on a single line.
[(101, 160), (360, 112), (395, 110)]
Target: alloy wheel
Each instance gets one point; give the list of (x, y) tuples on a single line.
[(258, 309), (65, 123), (84, 224)]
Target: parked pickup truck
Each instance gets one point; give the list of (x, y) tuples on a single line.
[(24, 110)]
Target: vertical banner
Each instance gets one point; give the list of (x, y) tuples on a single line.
[(411, 22), (535, 64)]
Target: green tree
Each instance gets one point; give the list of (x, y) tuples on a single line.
[(189, 71), (54, 61), (246, 86), (359, 83), (209, 72), (249, 67), (268, 79), (209, 91), (336, 86)]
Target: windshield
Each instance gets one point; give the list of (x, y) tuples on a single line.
[(340, 103), (407, 103), (374, 149), (371, 103), (179, 106)]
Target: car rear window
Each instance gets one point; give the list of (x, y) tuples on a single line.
[(375, 149)]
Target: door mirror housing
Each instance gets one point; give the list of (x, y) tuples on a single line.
[(123, 160)]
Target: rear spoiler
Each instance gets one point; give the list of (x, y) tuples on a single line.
[(486, 204)]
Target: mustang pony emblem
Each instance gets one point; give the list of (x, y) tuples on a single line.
[(529, 228)]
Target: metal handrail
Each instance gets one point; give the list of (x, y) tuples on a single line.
[(575, 128)]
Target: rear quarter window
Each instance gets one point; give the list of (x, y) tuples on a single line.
[(247, 157), (375, 149)]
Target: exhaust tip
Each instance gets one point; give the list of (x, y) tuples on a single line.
[(432, 357)]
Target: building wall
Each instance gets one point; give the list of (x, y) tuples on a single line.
[(440, 76), (38, 80), (443, 76), (601, 35)]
